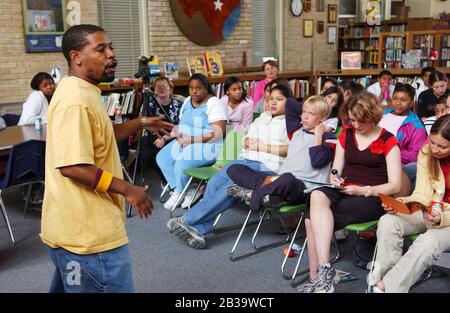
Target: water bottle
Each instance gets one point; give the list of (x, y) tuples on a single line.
[(37, 124), (117, 116), (437, 205)]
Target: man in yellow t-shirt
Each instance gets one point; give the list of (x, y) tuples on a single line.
[(83, 216)]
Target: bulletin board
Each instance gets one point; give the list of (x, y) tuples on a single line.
[(44, 23)]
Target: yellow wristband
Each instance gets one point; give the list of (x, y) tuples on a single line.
[(105, 182)]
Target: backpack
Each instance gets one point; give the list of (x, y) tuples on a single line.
[(362, 252)]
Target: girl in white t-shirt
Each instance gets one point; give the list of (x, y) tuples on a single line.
[(37, 102)]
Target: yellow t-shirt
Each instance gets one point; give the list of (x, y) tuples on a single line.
[(79, 131)]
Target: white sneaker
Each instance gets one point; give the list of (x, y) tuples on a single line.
[(189, 197), (172, 200)]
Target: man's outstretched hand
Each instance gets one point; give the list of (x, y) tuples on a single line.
[(158, 125)]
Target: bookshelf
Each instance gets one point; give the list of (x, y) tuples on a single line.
[(125, 96), (392, 47), (444, 52), (366, 38), (427, 47), (246, 75), (371, 74)]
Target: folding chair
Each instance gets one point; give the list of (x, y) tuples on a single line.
[(25, 167), (230, 151), (11, 119), (256, 248), (358, 227)]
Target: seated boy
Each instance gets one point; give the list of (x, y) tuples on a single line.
[(441, 108), (308, 160), (383, 89)]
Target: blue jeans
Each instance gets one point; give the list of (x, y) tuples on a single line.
[(173, 160), (410, 170), (108, 271), (216, 198)]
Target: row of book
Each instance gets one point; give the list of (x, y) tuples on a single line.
[(393, 55), (208, 64), (445, 41), (423, 41), (122, 101), (395, 42), (364, 32)]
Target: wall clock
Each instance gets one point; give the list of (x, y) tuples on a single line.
[(297, 7)]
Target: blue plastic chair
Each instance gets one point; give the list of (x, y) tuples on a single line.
[(25, 166), (11, 119)]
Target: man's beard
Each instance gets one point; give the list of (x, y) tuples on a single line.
[(107, 78)]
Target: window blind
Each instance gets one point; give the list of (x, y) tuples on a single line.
[(264, 36), (120, 19)]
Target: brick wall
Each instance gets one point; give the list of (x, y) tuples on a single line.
[(17, 68), (308, 54), (167, 41)]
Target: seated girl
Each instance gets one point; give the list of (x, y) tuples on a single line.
[(392, 271), (199, 137), (368, 159), (37, 102), (427, 100), (266, 145), (239, 106), (161, 103), (308, 160), (264, 104), (328, 82), (334, 97)]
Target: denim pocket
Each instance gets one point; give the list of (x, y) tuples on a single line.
[(83, 273)]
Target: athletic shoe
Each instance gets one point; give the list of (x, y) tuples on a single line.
[(237, 191), (172, 200), (190, 235), (326, 279)]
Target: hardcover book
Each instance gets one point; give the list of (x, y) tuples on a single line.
[(351, 60), (171, 70), (196, 64), (213, 63)]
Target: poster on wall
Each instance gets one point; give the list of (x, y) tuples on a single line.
[(206, 22), (44, 23)]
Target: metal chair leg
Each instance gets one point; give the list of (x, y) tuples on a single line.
[(372, 266), (181, 197), (294, 236), (27, 200), (5, 216), (338, 250), (293, 283), (256, 248), (166, 187), (232, 258), (274, 244), (195, 193)]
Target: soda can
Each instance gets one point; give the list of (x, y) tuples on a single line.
[(436, 206)]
